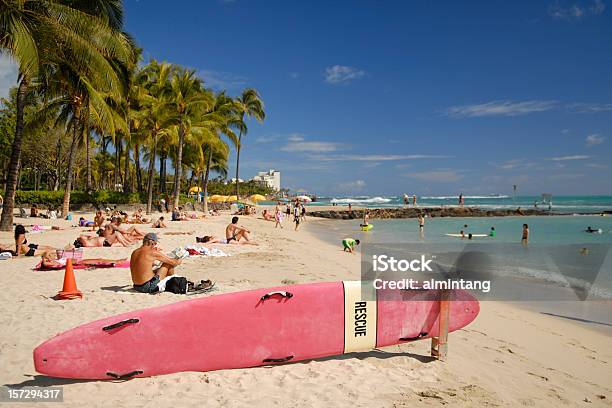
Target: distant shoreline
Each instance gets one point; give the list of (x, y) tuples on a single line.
[(343, 213)]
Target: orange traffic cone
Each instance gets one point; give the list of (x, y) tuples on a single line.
[(69, 291)]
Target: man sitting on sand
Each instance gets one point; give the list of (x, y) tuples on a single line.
[(177, 215), (233, 232), (159, 223), (349, 243), (144, 277), (99, 220)]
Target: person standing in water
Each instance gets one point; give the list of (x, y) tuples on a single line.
[(492, 232), (414, 200), (461, 200), (525, 236), (366, 218), (421, 220)]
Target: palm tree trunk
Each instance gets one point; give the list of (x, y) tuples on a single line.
[(127, 186), (179, 164), (88, 186), (6, 222), (151, 169), (205, 182), (137, 164), (70, 170), (238, 163), (162, 172)]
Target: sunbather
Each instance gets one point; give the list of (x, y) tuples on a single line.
[(159, 223), (22, 247), (130, 232), (233, 232), (51, 261), (211, 239)]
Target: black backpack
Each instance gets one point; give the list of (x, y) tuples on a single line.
[(177, 284)]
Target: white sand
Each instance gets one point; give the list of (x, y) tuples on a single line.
[(507, 357)]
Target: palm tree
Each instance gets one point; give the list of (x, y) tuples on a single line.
[(155, 115), (249, 104), (188, 102), (39, 34)]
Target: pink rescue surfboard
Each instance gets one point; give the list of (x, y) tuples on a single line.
[(246, 329)]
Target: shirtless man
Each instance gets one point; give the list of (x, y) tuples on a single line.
[(129, 233), (113, 236), (144, 278), (99, 220), (159, 223), (233, 232)]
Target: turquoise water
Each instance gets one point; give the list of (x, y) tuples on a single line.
[(543, 290), (565, 204), (544, 231)]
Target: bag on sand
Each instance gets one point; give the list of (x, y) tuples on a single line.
[(177, 284)]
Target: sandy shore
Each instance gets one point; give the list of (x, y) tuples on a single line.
[(507, 357)]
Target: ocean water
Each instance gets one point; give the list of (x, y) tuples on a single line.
[(565, 204), (544, 288), (545, 231)]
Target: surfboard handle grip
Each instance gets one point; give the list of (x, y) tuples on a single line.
[(121, 323), (124, 376), (282, 293), (420, 336), (278, 360)]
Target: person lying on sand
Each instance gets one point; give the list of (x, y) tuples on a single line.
[(349, 244), (267, 216), (50, 261), (233, 232), (132, 233), (22, 247), (114, 236), (159, 223), (137, 217), (144, 277), (211, 239), (84, 223)]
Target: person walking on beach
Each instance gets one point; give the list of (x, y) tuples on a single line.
[(303, 214), (525, 236), (278, 217), (144, 277), (296, 216), (349, 244)]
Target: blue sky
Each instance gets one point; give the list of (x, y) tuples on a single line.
[(370, 97)]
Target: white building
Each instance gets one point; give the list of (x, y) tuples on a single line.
[(270, 177)]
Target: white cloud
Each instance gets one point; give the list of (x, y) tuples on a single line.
[(222, 80), (594, 139), (352, 186), (313, 147), (437, 176), (597, 166), (590, 107), (8, 75), (576, 11), (341, 74), (514, 164), (376, 157), (567, 158), (295, 137), (500, 108), (266, 139)]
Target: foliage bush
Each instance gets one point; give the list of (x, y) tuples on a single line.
[(102, 197)]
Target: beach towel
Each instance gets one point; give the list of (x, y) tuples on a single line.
[(125, 264), (195, 250)]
